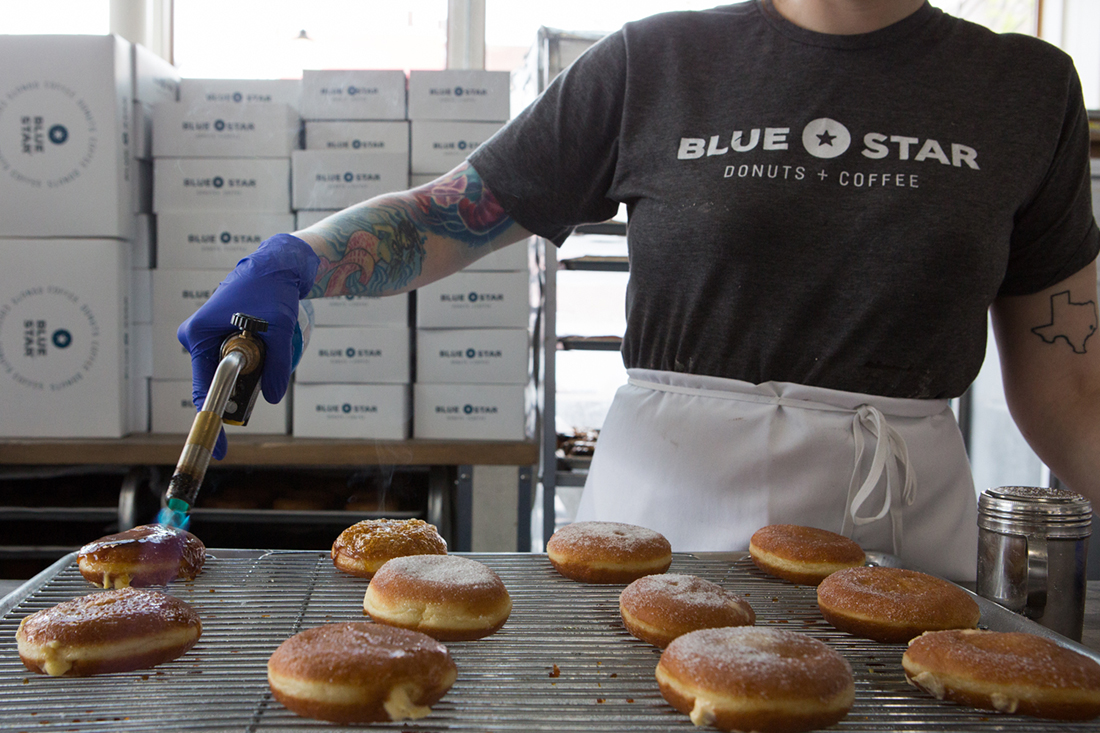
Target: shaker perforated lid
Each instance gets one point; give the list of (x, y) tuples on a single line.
[(1035, 511)]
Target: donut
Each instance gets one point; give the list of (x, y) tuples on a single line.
[(1010, 672), (802, 555), (152, 554), (748, 678), (447, 597), (659, 608), (608, 552), (109, 631), (360, 672), (365, 546), (893, 605)]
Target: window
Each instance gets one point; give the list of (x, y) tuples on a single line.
[(56, 16)]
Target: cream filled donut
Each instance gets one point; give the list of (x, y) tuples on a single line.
[(608, 552), (803, 555), (366, 546), (659, 608), (152, 554)]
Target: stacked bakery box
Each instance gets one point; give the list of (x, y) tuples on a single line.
[(67, 231), (473, 329), (354, 378), (221, 185)]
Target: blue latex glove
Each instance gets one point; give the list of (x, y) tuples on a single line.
[(267, 284)]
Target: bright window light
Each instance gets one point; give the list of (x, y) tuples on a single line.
[(55, 16)]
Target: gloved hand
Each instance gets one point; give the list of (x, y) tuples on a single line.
[(266, 284)]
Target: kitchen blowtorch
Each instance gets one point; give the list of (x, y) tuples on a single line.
[(230, 400)]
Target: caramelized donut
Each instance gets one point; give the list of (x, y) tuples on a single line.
[(893, 604), (365, 546), (749, 678), (360, 672), (608, 552), (659, 608), (447, 597), (110, 631), (152, 554), (1007, 672), (803, 555)]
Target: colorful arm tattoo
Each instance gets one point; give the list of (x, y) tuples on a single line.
[(380, 246)]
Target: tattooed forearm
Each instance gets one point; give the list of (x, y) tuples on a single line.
[(1072, 322), (380, 246)]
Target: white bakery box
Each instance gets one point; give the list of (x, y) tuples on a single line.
[(225, 130), (440, 146), (476, 300), (362, 310), (459, 94), (214, 240), (364, 411), (65, 123), (176, 295), (335, 179), (358, 136), (64, 332), (473, 411), (221, 184), (356, 355), (195, 92), (353, 94), (473, 356), (172, 411)]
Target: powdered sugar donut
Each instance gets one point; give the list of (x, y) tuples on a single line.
[(608, 552), (803, 555), (447, 597), (659, 608)]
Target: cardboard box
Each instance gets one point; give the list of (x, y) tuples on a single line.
[(362, 137), (356, 355), (516, 256), (65, 112), (476, 300), (176, 295), (308, 217), (472, 411), (353, 94), (213, 240), (225, 130), (240, 91), (439, 147), (365, 411), (156, 81), (473, 356), (460, 94), (173, 412), (361, 310), (64, 333), (221, 184), (333, 179)]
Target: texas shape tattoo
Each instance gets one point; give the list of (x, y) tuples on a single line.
[(1074, 322)]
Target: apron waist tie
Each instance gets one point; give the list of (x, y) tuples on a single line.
[(891, 455)]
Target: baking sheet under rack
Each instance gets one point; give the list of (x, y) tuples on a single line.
[(562, 662)]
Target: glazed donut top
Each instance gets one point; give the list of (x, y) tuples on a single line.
[(1008, 658), (149, 543), (390, 538), (807, 544), (108, 616), (754, 660), (897, 594), (609, 540), (352, 653), (439, 578), (682, 599)]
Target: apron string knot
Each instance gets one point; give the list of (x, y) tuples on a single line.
[(891, 457)]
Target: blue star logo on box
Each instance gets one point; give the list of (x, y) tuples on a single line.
[(237, 96), (458, 91), (472, 297), (468, 409), (356, 144), (225, 237), (352, 90), (58, 134), (61, 338), (345, 407), (219, 125), (218, 182), (461, 144), (826, 138), (470, 353), (350, 353), (349, 177)]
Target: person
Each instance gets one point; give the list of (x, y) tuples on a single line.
[(827, 199)]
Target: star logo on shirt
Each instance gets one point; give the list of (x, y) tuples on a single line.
[(826, 138), (1073, 322)]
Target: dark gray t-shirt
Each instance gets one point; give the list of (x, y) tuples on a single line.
[(838, 211)]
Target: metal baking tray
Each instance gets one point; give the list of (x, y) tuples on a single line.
[(562, 662)]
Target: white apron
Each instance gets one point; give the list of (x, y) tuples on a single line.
[(707, 461)]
